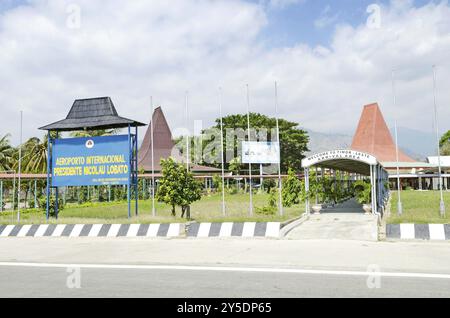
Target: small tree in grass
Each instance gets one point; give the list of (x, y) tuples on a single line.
[(292, 188), (177, 187)]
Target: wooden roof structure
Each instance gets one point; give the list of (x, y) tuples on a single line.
[(92, 114)]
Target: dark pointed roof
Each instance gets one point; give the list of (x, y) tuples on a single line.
[(164, 146), (92, 113)]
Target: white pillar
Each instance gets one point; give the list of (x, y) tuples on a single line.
[(308, 211)]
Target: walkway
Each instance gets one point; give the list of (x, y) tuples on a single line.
[(346, 221)]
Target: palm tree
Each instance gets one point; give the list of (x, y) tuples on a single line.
[(6, 154), (35, 155)]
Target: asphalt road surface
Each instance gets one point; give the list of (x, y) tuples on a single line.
[(135, 283), (222, 268)]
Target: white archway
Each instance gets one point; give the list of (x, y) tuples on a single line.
[(353, 162)]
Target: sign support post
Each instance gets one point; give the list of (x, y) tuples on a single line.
[(1, 196), (136, 172), (49, 160), (56, 193), (129, 174)]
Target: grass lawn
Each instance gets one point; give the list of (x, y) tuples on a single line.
[(209, 209), (419, 207)]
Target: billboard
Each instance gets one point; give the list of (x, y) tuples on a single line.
[(91, 161), (261, 152)]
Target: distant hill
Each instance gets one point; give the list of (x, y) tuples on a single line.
[(416, 144), (320, 142)]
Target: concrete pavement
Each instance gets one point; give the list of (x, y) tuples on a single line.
[(337, 226), (345, 221)]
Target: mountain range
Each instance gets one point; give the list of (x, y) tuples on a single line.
[(416, 144)]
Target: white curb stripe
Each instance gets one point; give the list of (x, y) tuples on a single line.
[(273, 229), (249, 229), (204, 229), (133, 230), (58, 230), (41, 230), (114, 230), (24, 230), (226, 229), (407, 232), (153, 230), (95, 230), (76, 231), (174, 230), (8, 229), (437, 232)]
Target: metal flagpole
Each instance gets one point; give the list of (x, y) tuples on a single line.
[(399, 206), (442, 204), (249, 139), (20, 167), (223, 155), (187, 136), (153, 160), (280, 185)]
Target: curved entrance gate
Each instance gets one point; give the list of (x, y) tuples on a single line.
[(359, 165)]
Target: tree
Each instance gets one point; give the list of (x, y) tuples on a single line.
[(292, 189), (177, 187), (34, 155), (446, 149), (294, 141), (6, 154), (94, 133), (445, 139)]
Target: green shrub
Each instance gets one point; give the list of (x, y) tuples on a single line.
[(363, 191), (292, 189), (52, 205)]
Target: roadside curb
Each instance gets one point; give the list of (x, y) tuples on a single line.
[(93, 230), (429, 232), (231, 229), (286, 228)]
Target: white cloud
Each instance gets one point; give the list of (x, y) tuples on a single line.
[(327, 17), (281, 4), (161, 48)]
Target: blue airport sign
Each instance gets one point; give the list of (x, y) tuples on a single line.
[(91, 161)]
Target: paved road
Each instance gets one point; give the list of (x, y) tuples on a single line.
[(52, 282), (247, 268)]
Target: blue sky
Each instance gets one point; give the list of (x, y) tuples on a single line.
[(295, 23)]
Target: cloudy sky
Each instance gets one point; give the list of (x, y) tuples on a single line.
[(329, 58)]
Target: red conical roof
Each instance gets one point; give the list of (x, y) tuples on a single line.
[(164, 146), (163, 143), (373, 136)]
